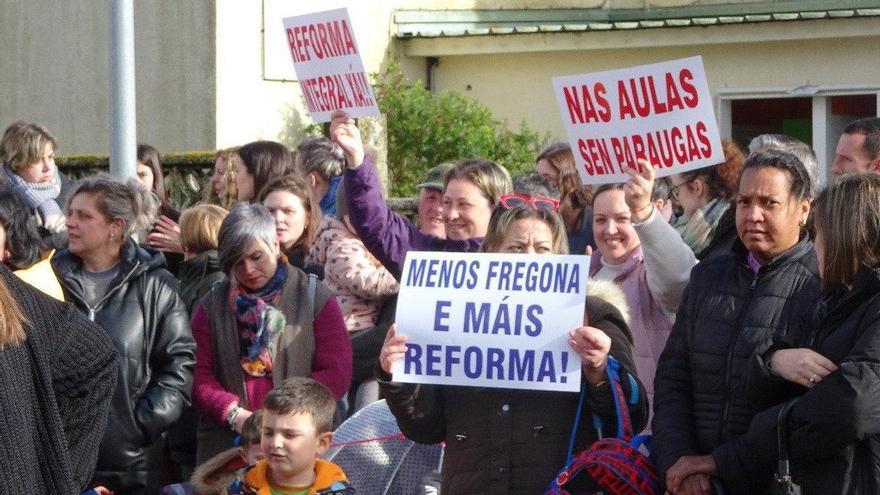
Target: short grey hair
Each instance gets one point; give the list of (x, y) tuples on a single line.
[(127, 201), (244, 224), (321, 156), (788, 144)]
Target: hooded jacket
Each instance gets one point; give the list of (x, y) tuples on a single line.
[(147, 322), (728, 313), (197, 276), (505, 441)]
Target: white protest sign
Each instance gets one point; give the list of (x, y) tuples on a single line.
[(491, 320), (661, 113), (329, 66)]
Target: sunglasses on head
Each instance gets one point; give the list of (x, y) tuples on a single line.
[(537, 202)]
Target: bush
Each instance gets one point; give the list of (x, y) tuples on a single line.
[(425, 130)]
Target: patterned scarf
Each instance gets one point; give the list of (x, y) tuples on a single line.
[(37, 195), (328, 202), (696, 229), (259, 320)]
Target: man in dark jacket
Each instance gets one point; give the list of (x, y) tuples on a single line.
[(728, 313), (147, 322)]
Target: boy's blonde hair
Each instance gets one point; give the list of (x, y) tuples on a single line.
[(251, 430), (199, 227), (300, 395)]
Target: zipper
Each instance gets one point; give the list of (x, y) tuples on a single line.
[(93, 310), (731, 345)]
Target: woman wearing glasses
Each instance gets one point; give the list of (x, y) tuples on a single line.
[(707, 223), (640, 252), (471, 189), (513, 441)]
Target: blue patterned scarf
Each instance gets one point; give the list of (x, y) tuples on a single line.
[(259, 320)]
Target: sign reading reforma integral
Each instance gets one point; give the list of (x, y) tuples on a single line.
[(329, 66), (491, 320), (661, 113)]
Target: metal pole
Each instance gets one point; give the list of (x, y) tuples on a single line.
[(123, 113)]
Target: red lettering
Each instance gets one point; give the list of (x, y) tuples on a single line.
[(693, 149), (659, 106), (322, 36), (629, 160), (704, 139), (291, 42), (617, 148), (665, 149), (643, 107), (348, 40), (673, 98), (599, 152), (625, 106), (638, 146), (678, 145), (653, 155), (315, 41), (575, 112), (604, 109), (582, 148), (366, 86), (686, 79)]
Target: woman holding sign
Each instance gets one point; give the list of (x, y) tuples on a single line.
[(471, 189), (640, 252), (514, 441)]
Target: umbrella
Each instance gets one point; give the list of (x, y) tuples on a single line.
[(377, 458)]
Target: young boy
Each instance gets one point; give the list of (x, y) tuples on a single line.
[(297, 420), (214, 476)]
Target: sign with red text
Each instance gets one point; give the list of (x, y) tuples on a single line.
[(491, 320), (661, 113), (329, 66)]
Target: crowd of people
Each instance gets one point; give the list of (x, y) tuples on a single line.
[(740, 303)]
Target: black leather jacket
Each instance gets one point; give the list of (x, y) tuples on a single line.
[(147, 322)]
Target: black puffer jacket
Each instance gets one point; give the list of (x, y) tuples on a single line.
[(146, 321), (727, 314), (504, 441), (197, 276), (834, 428)]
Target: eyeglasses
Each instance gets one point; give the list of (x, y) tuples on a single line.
[(673, 193), (537, 202)]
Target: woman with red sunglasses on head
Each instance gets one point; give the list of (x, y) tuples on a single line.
[(514, 441), (471, 190), (644, 255)]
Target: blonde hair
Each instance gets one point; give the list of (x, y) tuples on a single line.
[(200, 227), (229, 198), (12, 318), (491, 179), (503, 218), (23, 144)]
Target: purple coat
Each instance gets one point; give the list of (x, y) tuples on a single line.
[(387, 235)]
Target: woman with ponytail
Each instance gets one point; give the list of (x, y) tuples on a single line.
[(128, 292)]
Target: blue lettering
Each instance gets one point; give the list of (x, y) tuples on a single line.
[(502, 320), (522, 368), (452, 352), (494, 360), (532, 313), (440, 315), (416, 275), (547, 368), (432, 366), (412, 359), (473, 362), (476, 322), (472, 271)]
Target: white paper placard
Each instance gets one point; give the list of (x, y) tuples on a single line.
[(328, 64), (660, 112), (491, 320)]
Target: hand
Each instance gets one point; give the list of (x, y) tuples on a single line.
[(166, 236), (347, 135), (637, 191), (102, 490), (393, 349), (588, 250), (695, 484), (592, 345), (802, 366), (238, 424), (687, 466)]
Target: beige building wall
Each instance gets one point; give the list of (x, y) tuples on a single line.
[(54, 71)]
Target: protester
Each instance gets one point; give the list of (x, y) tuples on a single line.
[(556, 164), (534, 185), (126, 290), (257, 164), (27, 153), (471, 190), (707, 224), (268, 321), (514, 441), (732, 308), (22, 249), (430, 206), (858, 149), (297, 218), (297, 428), (788, 144), (164, 235), (220, 189), (215, 475), (639, 251), (200, 271), (831, 365), (58, 374), (321, 162)]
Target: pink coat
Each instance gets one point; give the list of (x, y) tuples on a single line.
[(351, 273)]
